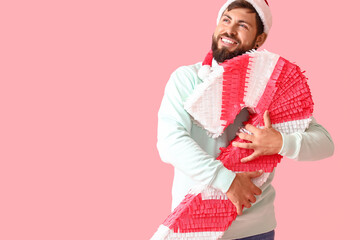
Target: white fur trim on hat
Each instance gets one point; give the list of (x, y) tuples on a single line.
[(260, 6)]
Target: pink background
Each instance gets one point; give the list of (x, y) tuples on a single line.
[(81, 84)]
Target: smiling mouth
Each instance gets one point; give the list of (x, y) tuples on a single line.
[(228, 41)]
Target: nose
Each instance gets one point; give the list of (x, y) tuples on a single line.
[(231, 29)]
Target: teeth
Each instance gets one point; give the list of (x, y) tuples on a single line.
[(227, 41)]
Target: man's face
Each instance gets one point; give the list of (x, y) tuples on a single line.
[(234, 35)]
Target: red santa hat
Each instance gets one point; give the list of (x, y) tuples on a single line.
[(262, 8)]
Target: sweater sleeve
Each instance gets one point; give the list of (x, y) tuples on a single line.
[(175, 144), (313, 144)]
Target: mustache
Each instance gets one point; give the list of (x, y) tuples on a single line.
[(228, 36)]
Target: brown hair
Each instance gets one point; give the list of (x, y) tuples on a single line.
[(247, 5)]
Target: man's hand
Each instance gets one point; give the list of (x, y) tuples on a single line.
[(265, 141), (242, 190)]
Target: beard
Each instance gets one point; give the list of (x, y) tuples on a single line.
[(222, 54)]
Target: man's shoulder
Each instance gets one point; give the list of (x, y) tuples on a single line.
[(184, 79), (188, 69), (185, 76)]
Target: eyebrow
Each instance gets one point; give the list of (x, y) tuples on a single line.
[(240, 21)]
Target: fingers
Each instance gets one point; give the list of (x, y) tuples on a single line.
[(242, 192), (255, 174), (239, 209), (257, 191), (267, 120), (251, 128), (254, 155), (243, 145), (247, 204), (252, 198), (246, 136)]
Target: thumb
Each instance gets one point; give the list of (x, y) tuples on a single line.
[(255, 174), (251, 157), (267, 120)]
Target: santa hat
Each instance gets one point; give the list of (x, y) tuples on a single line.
[(261, 7)]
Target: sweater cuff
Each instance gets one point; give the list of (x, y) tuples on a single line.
[(290, 147), (223, 179)]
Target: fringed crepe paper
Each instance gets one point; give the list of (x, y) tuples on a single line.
[(258, 81)]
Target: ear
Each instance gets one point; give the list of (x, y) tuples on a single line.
[(260, 40)]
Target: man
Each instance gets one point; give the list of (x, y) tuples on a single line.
[(242, 25)]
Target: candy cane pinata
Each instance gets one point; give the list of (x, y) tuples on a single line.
[(258, 81)]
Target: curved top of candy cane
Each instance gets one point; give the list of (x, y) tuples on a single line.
[(250, 80)]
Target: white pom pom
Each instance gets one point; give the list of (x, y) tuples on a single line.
[(204, 72)]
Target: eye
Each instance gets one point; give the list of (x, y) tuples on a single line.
[(243, 26), (226, 20)]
